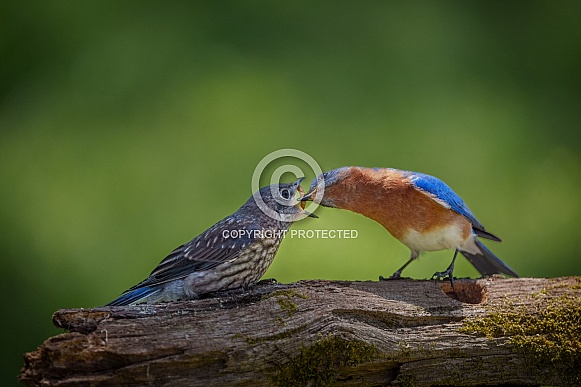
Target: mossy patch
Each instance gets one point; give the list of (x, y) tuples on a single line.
[(317, 365), (550, 332), (405, 381), (284, 300)]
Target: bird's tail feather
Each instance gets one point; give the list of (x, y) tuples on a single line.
[(485, 234), (488, 263), (134, 296)]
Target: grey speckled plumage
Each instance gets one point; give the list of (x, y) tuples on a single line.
[(233, 253)]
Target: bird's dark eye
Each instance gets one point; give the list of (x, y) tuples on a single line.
[(285, 193)]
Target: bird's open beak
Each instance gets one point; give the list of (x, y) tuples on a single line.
[(301, 192), (302, 203)]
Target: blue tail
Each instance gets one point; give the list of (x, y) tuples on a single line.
[(134, 296), (488, 263)]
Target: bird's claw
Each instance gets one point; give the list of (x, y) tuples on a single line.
[(443, 274), (394, 276)]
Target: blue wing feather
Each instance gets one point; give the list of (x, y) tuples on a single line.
[(134, 296), (440, 190)]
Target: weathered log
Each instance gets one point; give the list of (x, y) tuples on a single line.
[(403, 332)]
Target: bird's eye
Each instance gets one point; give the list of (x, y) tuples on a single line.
[(285, 193)]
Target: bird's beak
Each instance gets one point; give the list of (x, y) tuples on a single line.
[(309, 195), (302, 203), (301, 192), (310, 214)]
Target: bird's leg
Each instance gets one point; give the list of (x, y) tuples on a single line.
[(397, 274), (448, 273)]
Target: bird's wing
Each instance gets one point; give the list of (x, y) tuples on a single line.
[(439, 191), (204, 252)]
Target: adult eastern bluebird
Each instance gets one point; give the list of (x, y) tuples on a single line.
[(233, 253), (419, 210)]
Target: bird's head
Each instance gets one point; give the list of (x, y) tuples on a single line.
[(328, 187), (282, 201)]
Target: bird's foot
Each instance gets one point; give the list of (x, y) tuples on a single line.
[(267, 281), (395, 276), (443, 274)]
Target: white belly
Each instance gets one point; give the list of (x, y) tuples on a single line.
[(444, 238)]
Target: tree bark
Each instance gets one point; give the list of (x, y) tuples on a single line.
[(401, 332)]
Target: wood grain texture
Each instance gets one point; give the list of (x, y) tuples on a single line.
[(403, 332)]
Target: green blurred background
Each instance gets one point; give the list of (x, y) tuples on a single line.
[(127, 128)]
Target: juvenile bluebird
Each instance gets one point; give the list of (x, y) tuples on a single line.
[(233, 253), (419, 210)]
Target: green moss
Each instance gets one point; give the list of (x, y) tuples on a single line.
[(405, 381), (318, 364), (280, 321), (284, 299), (551, 333), (578, 284)]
